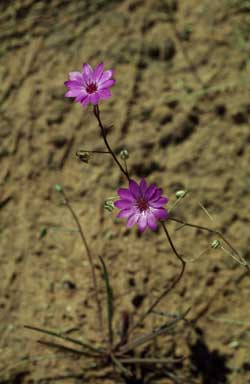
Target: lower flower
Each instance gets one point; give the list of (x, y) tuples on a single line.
[(142, 204)]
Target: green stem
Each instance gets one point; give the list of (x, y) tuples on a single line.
[(104, 136)]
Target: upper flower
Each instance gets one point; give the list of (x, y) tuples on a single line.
[(90, 85), (142, 205)]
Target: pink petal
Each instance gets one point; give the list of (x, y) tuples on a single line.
[(85, 101), (123, 204), (152, 223), (104, 93), (159, 203), (94, 98), (160, 213), (156, 195), (87, 70), (98, 71), (132, 220), (142, 222), (134, 189), (125, 194), (75, 76), (72, 93), (80, 97), (106, 84), (73, 84), (150, 191), (106, 75), (125, 213)]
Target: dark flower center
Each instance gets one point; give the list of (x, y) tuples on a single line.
[(142, 204), (91, 88)]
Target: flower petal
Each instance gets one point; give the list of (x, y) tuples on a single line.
[(106, 84), (134, 189), (94, 98), (73, 84), (125, 194), (125, 213), (98, 72), (75, 76), (160, 213), (151, 220), (150, 191), (106, 75), (85, 101), (142, 222), (159, 203), (132, 220), (87, 70), (104, 93), (123, 204), (72, 93), (156, 195), (80, 97)]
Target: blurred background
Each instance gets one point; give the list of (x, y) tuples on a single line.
[(181, 107)]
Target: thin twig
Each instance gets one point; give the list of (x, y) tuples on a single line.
[(218, 233), (104, 136), (169, 288), (89, 255)]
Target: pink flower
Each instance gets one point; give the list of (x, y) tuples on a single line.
[(91, 85), (142, 205)]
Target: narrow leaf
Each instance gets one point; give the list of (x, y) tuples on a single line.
[(109, 291)]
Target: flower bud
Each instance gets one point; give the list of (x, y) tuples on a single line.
[(109, 205), (124, 154), (58, 188), (180, 194), (83, 156), (215, 244)]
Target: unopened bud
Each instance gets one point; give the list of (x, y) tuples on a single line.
[(215, 244), (109, 205), (124, 154), (58, 188), (43, 233), (180, 194), (83, 156)]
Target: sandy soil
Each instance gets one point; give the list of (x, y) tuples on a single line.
[(181, 107)]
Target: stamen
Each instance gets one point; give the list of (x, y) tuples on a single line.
[(142, 204), (91, 88)]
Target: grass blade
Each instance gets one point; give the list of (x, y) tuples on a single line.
[(110, 309), (63, 337)]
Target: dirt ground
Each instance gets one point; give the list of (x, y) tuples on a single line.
[(181, 107)]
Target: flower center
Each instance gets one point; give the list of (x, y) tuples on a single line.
[(91, 88), (142, 204)]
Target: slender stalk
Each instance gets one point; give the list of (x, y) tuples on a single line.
[(90, 151), (90, 258), (104, 136), (110, 308), (169, 288), (218, 233), (151, 335), (64, 337)]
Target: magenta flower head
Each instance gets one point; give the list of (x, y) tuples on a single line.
[(142, 205), (91, 85)]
